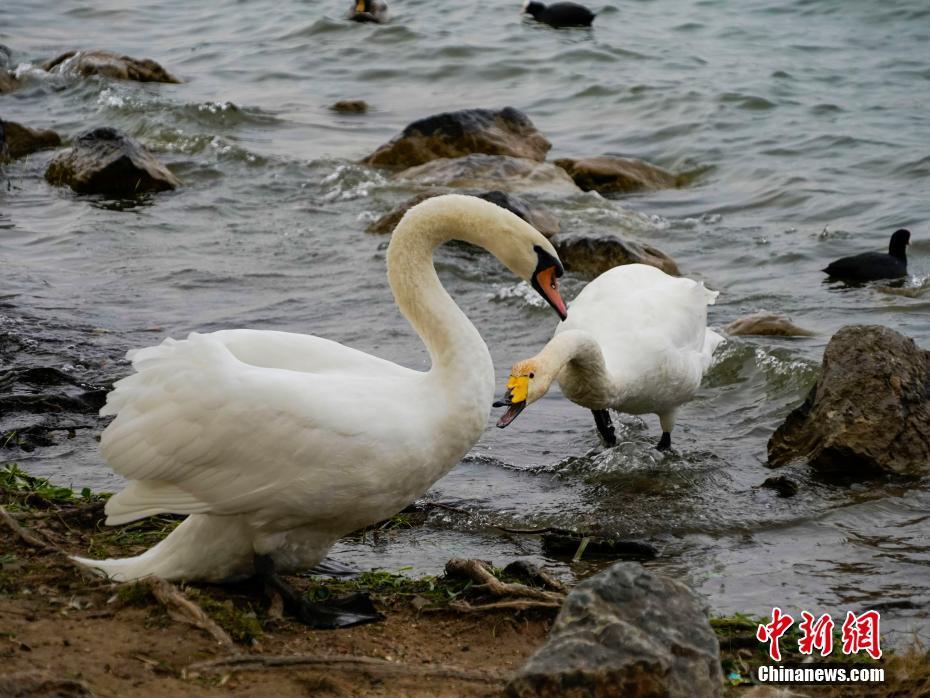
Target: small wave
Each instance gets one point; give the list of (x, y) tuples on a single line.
[(350, 181), (521, 291)]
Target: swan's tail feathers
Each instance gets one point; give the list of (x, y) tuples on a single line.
[(144, 498), (709, 296), (711, 341), (201, 548)]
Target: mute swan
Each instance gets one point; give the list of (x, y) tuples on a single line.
[(871, 266), (278, 444), (636, 342)]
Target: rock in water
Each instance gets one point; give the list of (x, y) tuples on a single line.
[(869, 412), (109, 64), (538, 217), (107, 161), (8, 83), (478, 171), (592, 256), (350, 106), (764, 323), (20, 140), (612, 175), (453, 134), (626, 632)]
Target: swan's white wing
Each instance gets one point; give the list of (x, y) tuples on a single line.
[(652, 327), (201, 431)]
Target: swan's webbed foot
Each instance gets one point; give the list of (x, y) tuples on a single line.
[(338, 613), (665, 443), (605, 427)]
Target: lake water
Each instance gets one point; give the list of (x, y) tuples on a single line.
[(808, 118)]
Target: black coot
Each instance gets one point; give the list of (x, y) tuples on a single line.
[(870, 266), (560, 14), (369, 11)]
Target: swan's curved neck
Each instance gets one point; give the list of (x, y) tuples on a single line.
[(457, 351), (577, 356)]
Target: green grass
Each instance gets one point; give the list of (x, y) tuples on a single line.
[(20, 490)]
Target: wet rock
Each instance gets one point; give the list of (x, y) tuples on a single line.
[(109, 64), (107, 161), (626, 632), (540, 218), (491, 171), (591, 256), (454, 134), (764, 323), (19, 141), (36, 685), (8, 82), (350, 106), (614, 175), (784, 486), (869, 412)]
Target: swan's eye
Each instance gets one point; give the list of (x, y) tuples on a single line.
[(532, 375)]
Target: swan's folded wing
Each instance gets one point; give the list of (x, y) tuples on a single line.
[(200, 431)]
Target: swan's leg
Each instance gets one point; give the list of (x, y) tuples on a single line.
[(353, 610), (667, 420), (604, 426)]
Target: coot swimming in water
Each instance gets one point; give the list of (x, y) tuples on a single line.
[(560, 14), (870, 266)]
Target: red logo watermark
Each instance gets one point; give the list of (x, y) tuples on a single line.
[(860, 633)]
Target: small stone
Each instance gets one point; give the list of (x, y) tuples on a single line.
[(614, 175), (591, 256), (22, 140), (109, 64), (107, 161), (764, 323), (784, 486), (350, 106), (454, 134)]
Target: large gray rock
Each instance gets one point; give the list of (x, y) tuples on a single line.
[(454, 134), (868, 413), (538, 217), (480, 171), (107, 161), (590, 256), (764, 323), (609, 174), (18, 141), (626, 632), (109, 64)]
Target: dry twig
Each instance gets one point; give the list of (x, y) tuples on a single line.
[(479, 573), (181, 609), (514, 605)]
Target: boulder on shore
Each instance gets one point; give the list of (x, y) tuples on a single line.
[(17, 141), (540, 218), (608, 174), (109, 64), (868, 413), (764, 323), (626, 632), (504, 131), (480, 171), (107, 161), (591, 256)]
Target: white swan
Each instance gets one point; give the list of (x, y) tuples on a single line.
[(636, 342), (278, 444)]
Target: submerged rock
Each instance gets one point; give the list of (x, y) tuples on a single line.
[(614, 175), (484, 171), (592, 256), (8, 82), (454, 134), (626, 632), (17, 141), (538, 217), (350, 106), (109, 64), (764, 323), (868, 413), (107, 161)]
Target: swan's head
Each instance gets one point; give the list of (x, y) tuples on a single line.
[(524, 387)]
